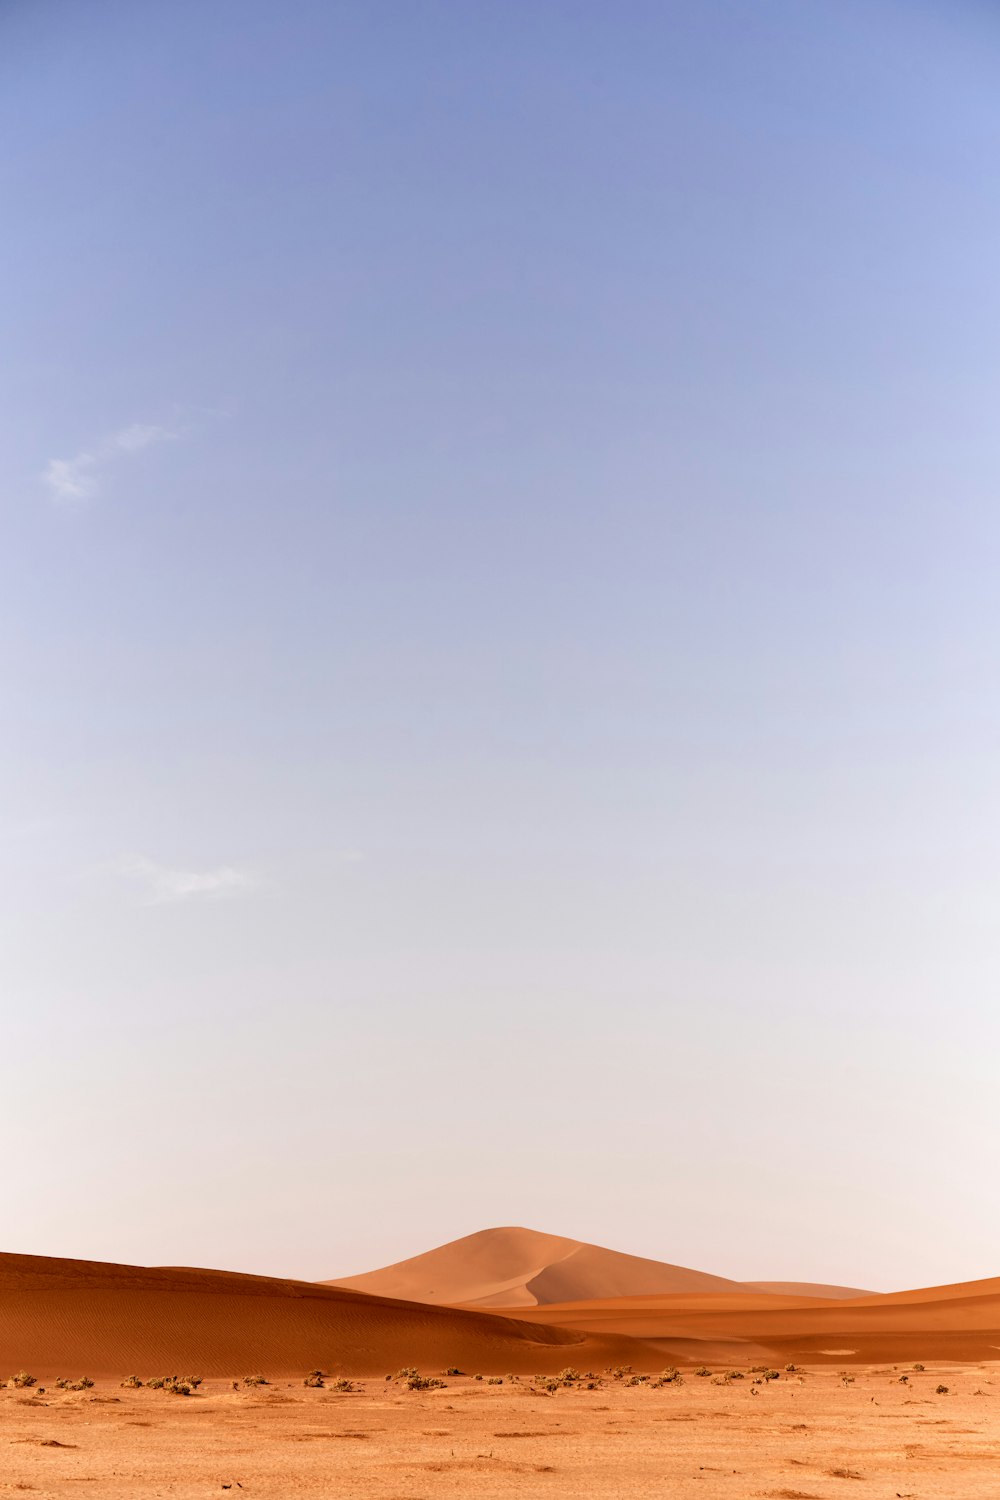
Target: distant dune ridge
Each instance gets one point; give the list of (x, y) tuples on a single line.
[(513, 1267)]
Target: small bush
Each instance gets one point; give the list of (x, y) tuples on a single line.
[(568, 1375), (417, 1382), (22, 1380), (340, 1384), (735, 1375), (942, 1390), (453, 1370), (314, 1380), (131, 1383), (253, 1380), (491, 1380), (61, 1384), (618, 1372), (918, 1367), (791, 1369), (407, 1372), (703, 1370), (83, 1384)]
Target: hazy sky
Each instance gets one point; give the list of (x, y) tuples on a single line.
[(500, 672)]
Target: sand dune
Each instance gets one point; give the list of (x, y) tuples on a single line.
[(65, 1317), (960, 1322), (514, 1267)]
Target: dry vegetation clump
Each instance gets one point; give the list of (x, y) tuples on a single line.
[(314, 1380), (453, 1370), (941, 1390), (254, 1380), (703, 1370), (22, 1381), (342, 1384), (669, 1376), (428, 1383), (131, 1383)]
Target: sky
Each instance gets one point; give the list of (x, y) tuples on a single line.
[(499, 631)]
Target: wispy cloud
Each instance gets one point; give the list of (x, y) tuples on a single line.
[(160, 884), (71, 481)]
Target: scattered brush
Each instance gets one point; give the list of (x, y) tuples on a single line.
[(314, 1380), (22, 1381), (131, 1383)]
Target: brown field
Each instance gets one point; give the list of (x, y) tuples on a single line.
[(801, 1436)]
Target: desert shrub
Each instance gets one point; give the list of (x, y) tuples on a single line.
[(314, 1380), (547, 1383), (918, 1367), (178, 1388), (83, 1384), (477, 1377), (156, 1383), (771, 1375), (703, 1370), (942, 1390), (720, 1379), (904, 1379), (131, 1383), (22, 1380), (341, 1384), (254, 1380), (568, 1375), (791, 1369), (735, 1375), (494, 1380), (61, 1384), (417, 1382), (407, 1372), (453, 1370), (618, 1372), (847, 1379), (671, 1376)]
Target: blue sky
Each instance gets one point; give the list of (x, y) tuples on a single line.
[(499, 712)]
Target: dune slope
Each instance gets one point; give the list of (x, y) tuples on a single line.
[(66, 1317)]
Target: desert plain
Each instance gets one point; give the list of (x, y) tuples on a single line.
[(506, 1363)]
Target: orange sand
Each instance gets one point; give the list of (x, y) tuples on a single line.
[(814, 1440)]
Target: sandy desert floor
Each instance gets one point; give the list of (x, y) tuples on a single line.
[(807, 1434)]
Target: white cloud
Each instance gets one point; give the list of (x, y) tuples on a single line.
[(161, 884), (68, 478), (74, 480)]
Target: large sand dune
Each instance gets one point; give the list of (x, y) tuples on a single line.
[(514, 1267), (66, 1317)]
